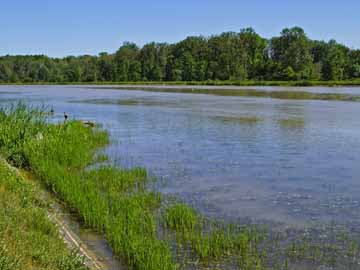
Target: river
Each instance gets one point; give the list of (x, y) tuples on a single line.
[(289, 161)]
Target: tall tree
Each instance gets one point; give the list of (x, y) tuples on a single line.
[(106, 67), (127, 66), (252, 52), (334, 62), (293, 51)]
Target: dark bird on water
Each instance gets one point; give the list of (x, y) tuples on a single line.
[(65, 116)]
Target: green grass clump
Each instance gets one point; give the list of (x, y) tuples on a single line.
[(292, 123), (125, 180), (180, 217), (19, 123), (212, 240), (28, 240)]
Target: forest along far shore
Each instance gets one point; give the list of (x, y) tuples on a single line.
[(231, 58)]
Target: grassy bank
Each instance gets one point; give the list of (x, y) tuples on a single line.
[(110, 200), (355, 82), (145, 229), (28, 240)]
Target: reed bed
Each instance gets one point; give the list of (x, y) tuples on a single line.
[(213, 240), (111, 200)]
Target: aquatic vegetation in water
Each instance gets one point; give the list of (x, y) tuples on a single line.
[(127, 102), (213, 240), (240, 120), (294, 95), (292, 123)]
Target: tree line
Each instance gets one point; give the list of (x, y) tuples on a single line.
[(243, 55)]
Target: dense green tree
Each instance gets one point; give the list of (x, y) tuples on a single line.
[(106, 66), (334, 62), (5, 72), (89, 70), (354, 64), (153, 58), (228, 56), (225, 61), (293, 51), (127, 66), (252, 52), (188, 59)]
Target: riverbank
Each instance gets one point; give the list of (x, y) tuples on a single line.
[(355, 82), (144, 228), (28, 238)]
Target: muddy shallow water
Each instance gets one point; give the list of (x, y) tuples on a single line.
[(291, 161)]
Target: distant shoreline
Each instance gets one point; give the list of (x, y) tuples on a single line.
[(205, 83), (278, 92)]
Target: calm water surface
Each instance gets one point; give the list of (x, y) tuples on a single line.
[(288, 161)]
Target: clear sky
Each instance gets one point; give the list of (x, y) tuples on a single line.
[(73, 27)]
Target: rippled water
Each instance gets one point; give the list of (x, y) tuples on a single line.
[(289, 161)]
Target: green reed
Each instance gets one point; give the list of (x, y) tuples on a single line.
[(213, 240), (111, 200)]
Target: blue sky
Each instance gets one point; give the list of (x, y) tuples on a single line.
[(73, 27)]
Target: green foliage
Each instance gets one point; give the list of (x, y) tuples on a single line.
[(335, 61), (292, 51), (229, 56)]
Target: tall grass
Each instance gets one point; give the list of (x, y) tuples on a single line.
[(28, 240), (213, 240), (19, 124), (110, 200)]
